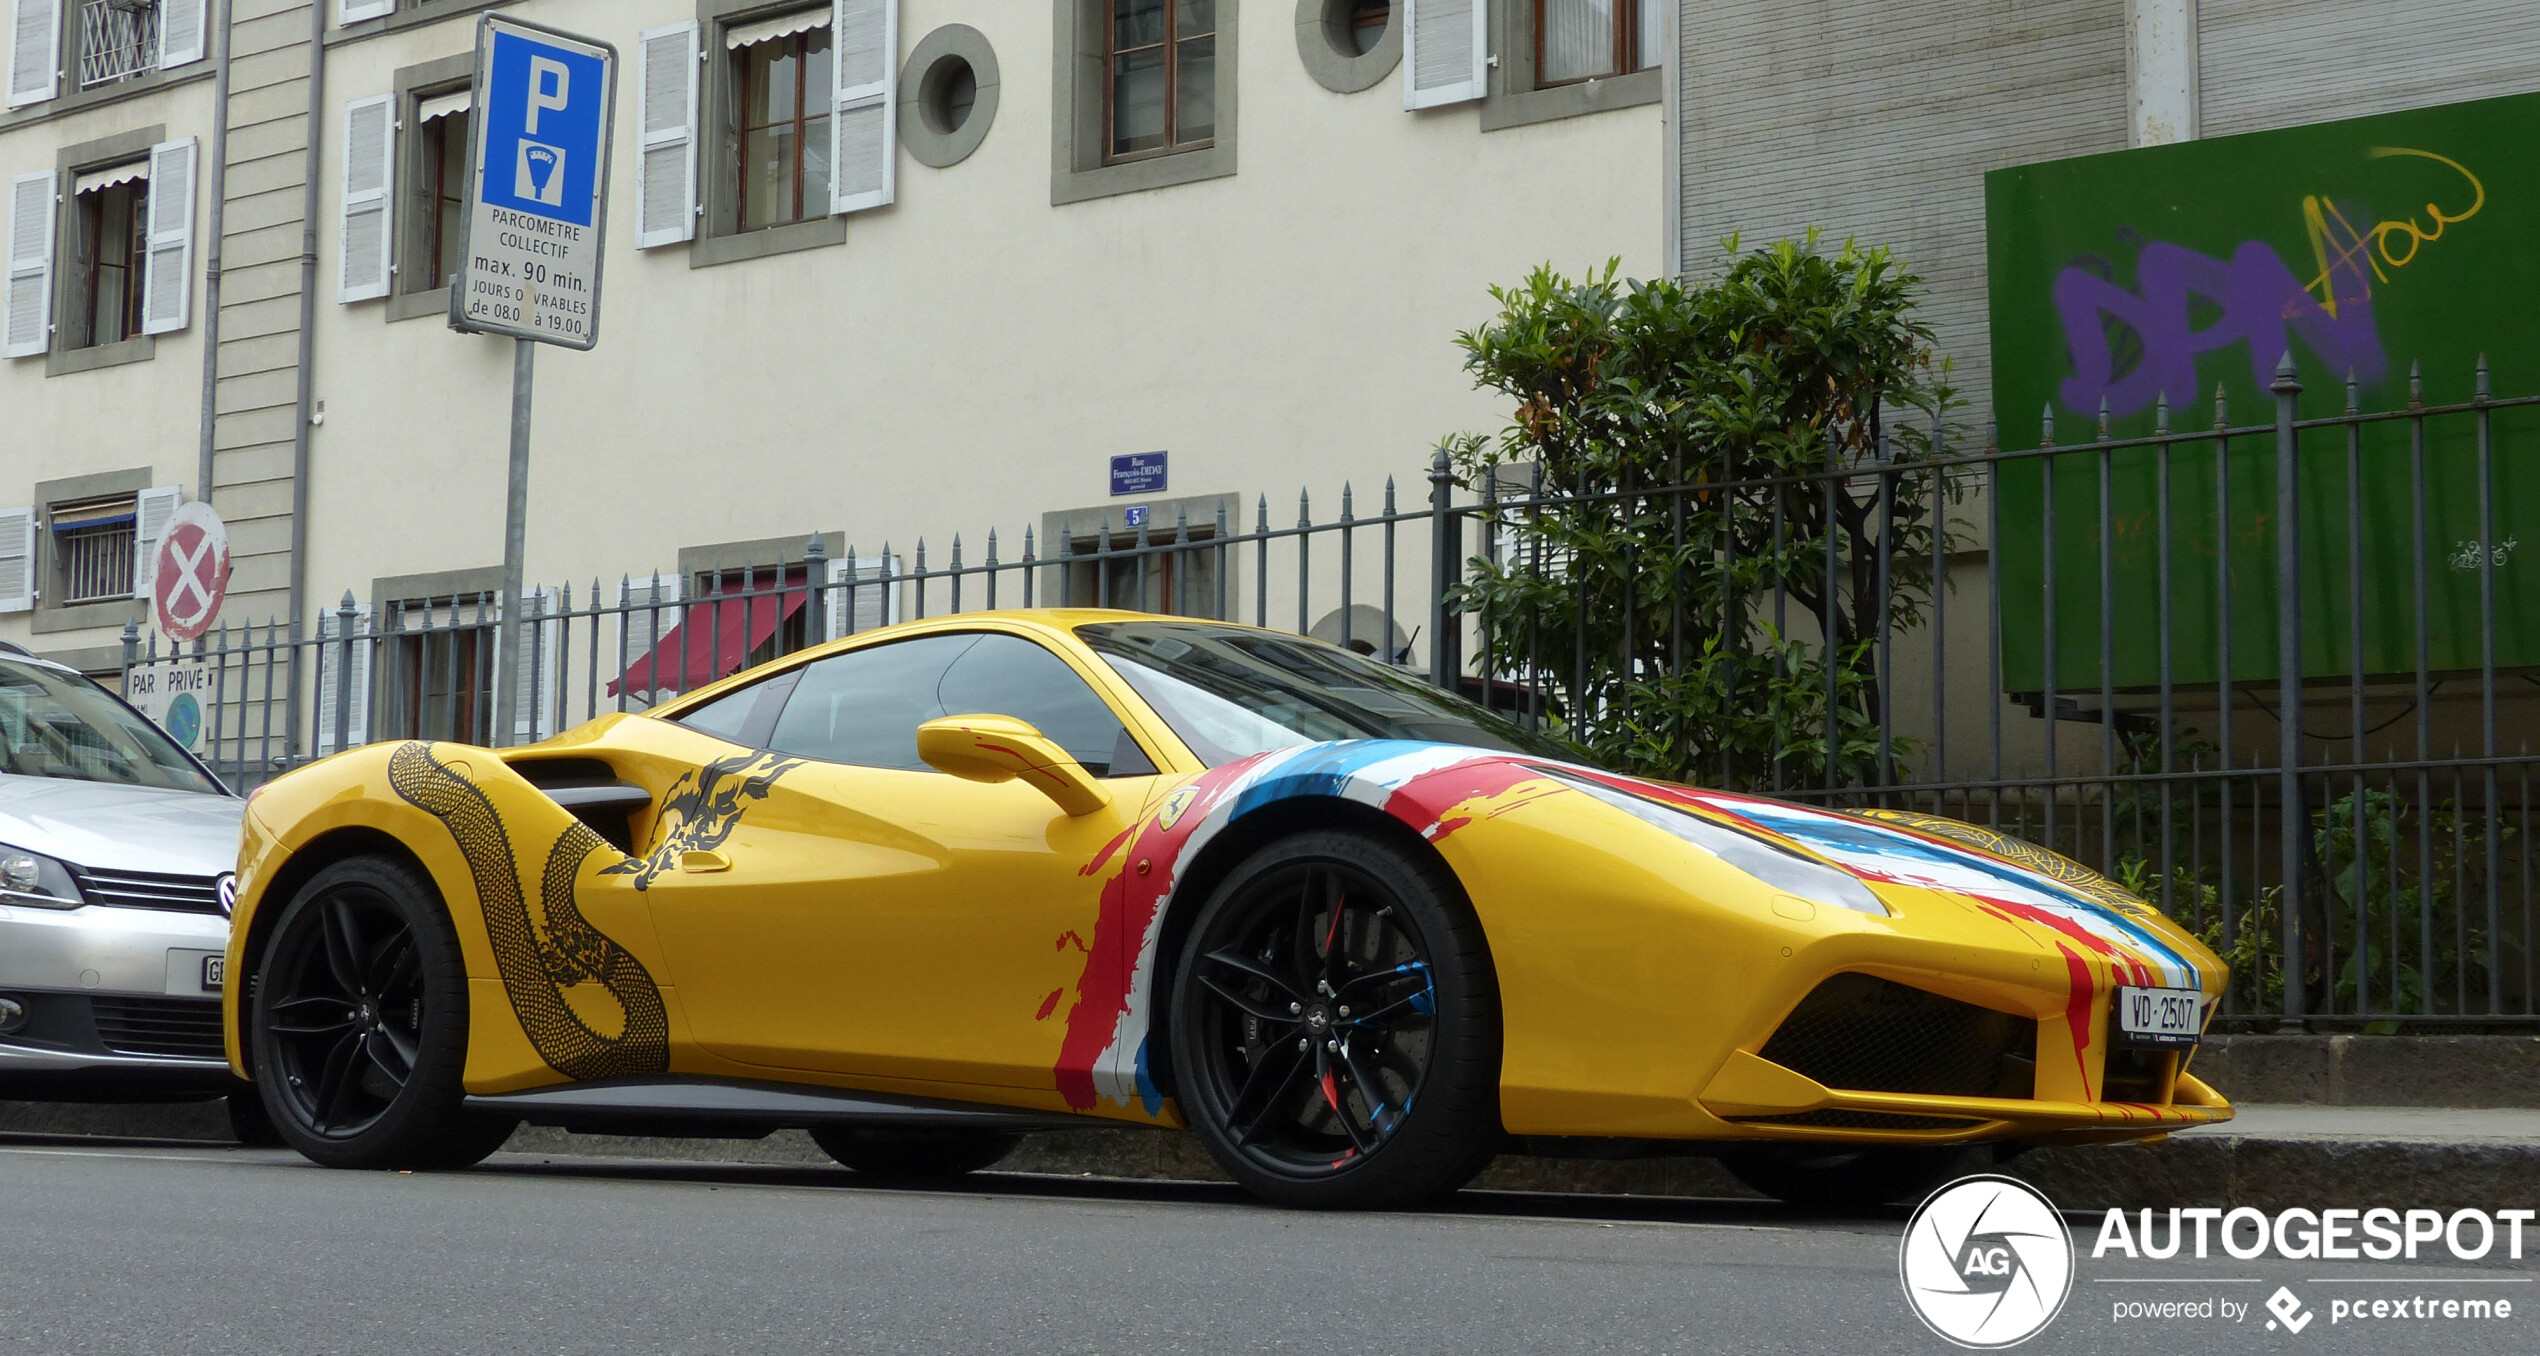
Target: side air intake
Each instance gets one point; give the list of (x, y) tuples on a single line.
[(1865, 1034)]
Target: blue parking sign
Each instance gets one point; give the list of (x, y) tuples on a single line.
[(545, 114), (537, 210)]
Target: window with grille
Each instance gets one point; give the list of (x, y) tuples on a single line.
[(118, 40), (92, 549), (1179, 583)]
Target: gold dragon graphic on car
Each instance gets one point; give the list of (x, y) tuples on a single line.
[(537, 965)]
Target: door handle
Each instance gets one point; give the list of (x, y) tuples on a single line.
[(703, 860)]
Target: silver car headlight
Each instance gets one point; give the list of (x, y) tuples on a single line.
[(1766, 861), (33, 878)]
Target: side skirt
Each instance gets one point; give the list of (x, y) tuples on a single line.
[(714, 1108)]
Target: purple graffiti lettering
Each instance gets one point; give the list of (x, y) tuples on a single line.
[(2259, 300)]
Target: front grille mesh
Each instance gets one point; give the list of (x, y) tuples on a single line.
[(141, 890), (160, 1026), (1865, 1034)]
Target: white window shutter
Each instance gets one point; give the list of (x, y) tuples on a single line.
[(864, 123), (370, 149), (168, 282), (875, 603), (354, 11), (181, 31), (150, 524), (1445, 52), (653, 612), (17, 559), (330, 690), (35, 44), (534, 702), (26, 322), (666, 166)]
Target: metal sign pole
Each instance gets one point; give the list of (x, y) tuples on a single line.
[(507, 630), (532, 245)]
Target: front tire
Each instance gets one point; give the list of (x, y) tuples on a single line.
[(1336, 1028), (1840, 1179), (914, 1155), (359, 1024)]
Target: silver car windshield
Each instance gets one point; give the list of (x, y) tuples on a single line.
[(57, 724), (1230, 692)]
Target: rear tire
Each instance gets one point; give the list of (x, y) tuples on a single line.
[(914, 1155), (1841, 1179), (1336, 1026), (359, 1024)]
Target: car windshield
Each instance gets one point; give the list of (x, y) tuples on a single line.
[(58, 724), (1231, 692)]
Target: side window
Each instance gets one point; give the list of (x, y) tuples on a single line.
[(864, 707), (744, 717)]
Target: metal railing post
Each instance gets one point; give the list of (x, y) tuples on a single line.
[(815, 591), (131, 653), (1445, 567), (2292, 824), (345, 616)]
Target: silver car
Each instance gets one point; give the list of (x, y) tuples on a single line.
[(116, 853)]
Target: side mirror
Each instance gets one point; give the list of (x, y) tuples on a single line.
[(1002, 749)]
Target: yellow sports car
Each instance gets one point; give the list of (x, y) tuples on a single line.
[(930, 887)]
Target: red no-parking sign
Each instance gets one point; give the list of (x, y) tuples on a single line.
[(191, 577)]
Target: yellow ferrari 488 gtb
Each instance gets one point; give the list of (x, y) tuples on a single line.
[(927, 888)]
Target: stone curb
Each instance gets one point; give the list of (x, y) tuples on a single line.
[(2206, 1168)]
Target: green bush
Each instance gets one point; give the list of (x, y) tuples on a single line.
[(1653, 612)]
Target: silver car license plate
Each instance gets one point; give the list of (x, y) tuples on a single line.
[(2162, 1019), (215, 969)]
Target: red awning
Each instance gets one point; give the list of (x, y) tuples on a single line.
[(713, 639)]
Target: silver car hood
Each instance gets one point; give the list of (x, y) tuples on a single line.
[(121, 828)]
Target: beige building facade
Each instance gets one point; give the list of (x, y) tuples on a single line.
[(1243, 234)]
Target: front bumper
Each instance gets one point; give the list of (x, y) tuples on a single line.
[(114, 1003)]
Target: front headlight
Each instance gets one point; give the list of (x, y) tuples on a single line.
[(33, 878), (1766, 861)]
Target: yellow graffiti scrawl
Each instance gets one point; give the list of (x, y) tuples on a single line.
[(2372, 247)]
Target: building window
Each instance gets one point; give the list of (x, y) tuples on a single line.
[(118, 40), (1367, 22), (1590, 39), (1179, 583), (440, 659), (1162, 77), (440, 191), (782, 90), (110, 225), (93, 546)]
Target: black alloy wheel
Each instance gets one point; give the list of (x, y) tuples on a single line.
[(359, 1024), (1336, 1026)]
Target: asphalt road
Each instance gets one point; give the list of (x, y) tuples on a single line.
[(165, 1249)]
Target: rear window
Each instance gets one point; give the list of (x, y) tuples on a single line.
[(61, 725)]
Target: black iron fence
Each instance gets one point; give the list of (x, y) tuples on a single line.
[(2082, 643)]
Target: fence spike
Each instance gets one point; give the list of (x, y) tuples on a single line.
[(2103, 419), (956, 555), (2352, 398), (992, 548), (1303, 517), (1389, 496), (2481, 397), (2222, 407), (1265, 514), (1027, 544), (1345, 502), (2161, 414), (2047, 439), (2416, 382)]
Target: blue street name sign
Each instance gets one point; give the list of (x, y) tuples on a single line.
[(1137, 473), (537, 200)]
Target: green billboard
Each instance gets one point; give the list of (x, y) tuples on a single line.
[(2362, 247)]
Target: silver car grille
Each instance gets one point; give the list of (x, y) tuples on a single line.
[(187, 1028), (141, 890)]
